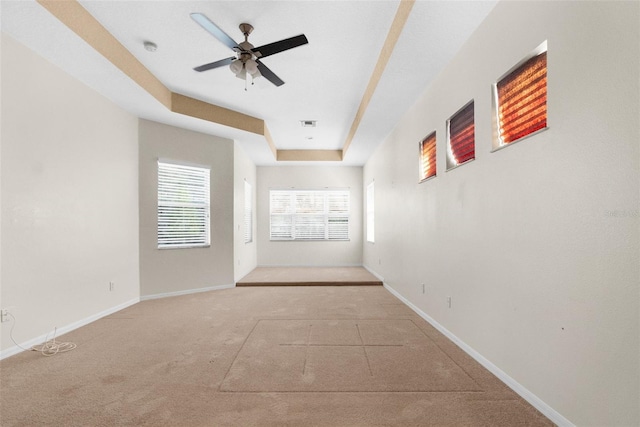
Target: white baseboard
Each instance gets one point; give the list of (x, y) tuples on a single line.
[(187, 292), (65, 329), (534, 400), (308, 266), (379, 277)]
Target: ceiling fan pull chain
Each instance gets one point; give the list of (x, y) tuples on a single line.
[(246, 75)]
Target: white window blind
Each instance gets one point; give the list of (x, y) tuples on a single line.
[(248, 213), (309, 214), (520, 99), (370, 213), (183, 206), (461, 136)]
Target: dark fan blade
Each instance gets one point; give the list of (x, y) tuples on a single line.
[(276, 47), (214, 30), (216, 64), (269, 75)]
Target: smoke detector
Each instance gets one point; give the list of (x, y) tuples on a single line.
[(150, 46)]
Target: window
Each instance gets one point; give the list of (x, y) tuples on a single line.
[(370, 214), (520, 99), (428, 157), (248, 213), (461, 137), (183, 206), (309, 214)]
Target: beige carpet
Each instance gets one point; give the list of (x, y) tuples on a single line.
[(263, 356), (309, 276)]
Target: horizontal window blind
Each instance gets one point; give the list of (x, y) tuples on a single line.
[(183, 206), (462, 136), (248, 213), (309, 214), (428, 157), (370, 213), (338, 215), (522, 100)]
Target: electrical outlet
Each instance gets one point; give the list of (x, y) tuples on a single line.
[(423, 289), (449, 301), (4, 315), (112, 286)]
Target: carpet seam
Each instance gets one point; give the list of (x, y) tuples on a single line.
[(308, 345), (306, 351), (364, 349), (237, 354), (444, 352)]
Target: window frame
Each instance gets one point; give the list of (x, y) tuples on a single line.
[(297, 218), (497, 143), (200, 199), (248, 212), (423, 177), (451, 162), (370, 217)]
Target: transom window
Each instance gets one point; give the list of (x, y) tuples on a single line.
[(248, 213), (461, 137), (370, 213), (309, 214), (428, 157), (520, 99)]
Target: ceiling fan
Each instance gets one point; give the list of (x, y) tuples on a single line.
[(247, 59)]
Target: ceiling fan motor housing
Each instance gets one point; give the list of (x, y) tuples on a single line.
[(246, 47)]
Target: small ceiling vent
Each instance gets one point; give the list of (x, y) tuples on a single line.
[(308, 123)]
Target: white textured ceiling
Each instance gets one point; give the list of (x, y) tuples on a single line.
[(324, 80)]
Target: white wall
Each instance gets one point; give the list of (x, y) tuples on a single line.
[(322, 253), (171, 271), (538, 243), (69, 198), (1, 300), (245, 254)]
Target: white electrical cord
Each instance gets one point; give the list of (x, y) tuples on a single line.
[(49, 348)]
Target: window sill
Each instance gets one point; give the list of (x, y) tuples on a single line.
[(427, 179), (309, 240), (460, 165), (518, 140), (164, 248)]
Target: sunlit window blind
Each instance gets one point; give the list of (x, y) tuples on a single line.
[(522, 100), (428, 157), (370, 213), (248, 213), (461, 136), (183, 206), (309, 214)]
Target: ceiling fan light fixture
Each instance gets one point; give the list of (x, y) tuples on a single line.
[(236, 66), (251, 66), (242, 74)]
